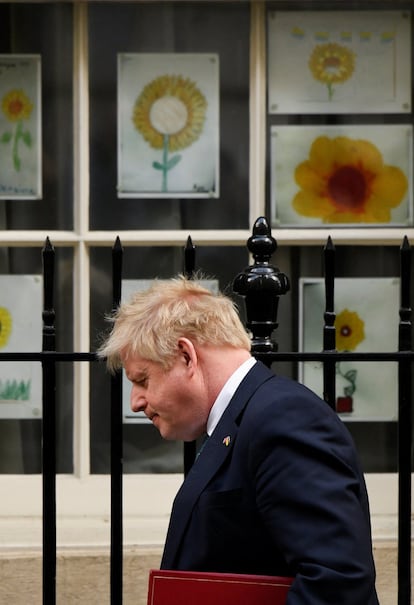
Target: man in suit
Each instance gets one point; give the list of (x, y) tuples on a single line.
[(277, 488)]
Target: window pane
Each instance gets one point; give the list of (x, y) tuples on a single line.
[(45, 30), (377, 440), (144, 450), (182, 27), (21, 431)]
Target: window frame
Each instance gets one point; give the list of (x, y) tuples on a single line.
[(83, 500)]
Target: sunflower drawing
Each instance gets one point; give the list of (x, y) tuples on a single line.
[(17, 108), (349, 330), (346, 181), (331, 64), (5, 326), (169, 113)]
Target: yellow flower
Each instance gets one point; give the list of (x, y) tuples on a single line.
[(170, 106), (345, 181), (16, 106), (331, 63), (349, 329), (5, 326)]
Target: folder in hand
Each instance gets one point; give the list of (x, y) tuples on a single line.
[(168, 587)]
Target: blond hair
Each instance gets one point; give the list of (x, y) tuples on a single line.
[(152, 321)]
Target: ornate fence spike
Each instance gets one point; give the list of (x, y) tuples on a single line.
[(189, 258), (260, 285)]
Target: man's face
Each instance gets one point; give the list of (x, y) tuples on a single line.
[(174, 400)]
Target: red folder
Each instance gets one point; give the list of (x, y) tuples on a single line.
[(206, 588)]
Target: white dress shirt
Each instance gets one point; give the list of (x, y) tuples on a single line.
[(226, 393)]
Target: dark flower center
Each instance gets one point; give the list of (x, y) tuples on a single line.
[(347, 188), (15, 107)]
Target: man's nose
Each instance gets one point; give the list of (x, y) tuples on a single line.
[(138, 401)]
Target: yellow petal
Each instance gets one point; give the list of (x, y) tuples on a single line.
[(308, 204)]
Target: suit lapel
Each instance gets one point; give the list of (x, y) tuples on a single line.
[(215, 452)]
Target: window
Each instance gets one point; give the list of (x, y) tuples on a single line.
[(80, 210)]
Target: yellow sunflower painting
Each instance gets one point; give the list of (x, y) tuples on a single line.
[(330, 64), (349, 330), (169, 113), (17, 108), (5, 326), (346, 180)]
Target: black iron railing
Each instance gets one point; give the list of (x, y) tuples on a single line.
[(261, 285)]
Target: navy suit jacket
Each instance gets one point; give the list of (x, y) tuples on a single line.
[(278, 490)]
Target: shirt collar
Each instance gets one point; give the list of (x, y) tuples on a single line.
[(226, 393)]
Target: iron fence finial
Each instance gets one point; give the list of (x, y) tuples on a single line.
[(261, 285)]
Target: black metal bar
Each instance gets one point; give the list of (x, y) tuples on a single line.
[(190, 447), (404, 431), (49, 430), (329, 340), (189, 258), (272, 356), (116, 565)]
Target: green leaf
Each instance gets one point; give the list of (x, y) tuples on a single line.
[(158, 166), (173, 161), (27, 138), (6, 138), (351, 375)]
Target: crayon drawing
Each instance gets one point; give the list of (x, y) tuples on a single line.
[(168, 141), (20, 330), (366, 321), (20, 127), (339, 62)]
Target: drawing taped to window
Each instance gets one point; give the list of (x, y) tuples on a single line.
[(20, 330)]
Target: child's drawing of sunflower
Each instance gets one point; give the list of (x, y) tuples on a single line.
[(169, 113)]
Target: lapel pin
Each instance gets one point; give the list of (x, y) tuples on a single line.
[(226, 440)]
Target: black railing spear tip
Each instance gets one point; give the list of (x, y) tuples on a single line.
[(189, 258), (117, 245), (48, 245), (329, 244), (406, 244)]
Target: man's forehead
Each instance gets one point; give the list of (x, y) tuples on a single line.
[(128, 357)]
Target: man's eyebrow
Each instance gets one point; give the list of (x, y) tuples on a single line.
[(137, 375)]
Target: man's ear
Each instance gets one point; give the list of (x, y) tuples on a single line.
[(188, 353)]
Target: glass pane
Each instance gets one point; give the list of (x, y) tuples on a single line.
[(376, 440), (144, 450), (319, 97), (45, 30), (182, 27), (20, 415)]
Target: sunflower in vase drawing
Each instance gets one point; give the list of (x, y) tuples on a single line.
[(349, 330), (17, 109), (169, 113), (345, 180), (331, 64)]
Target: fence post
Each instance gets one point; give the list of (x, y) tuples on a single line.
[(49, 429), (190, 447), (404, 431), (329, 336), (116, 447), (261, 284)]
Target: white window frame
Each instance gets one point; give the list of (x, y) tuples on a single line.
[(83, 500)]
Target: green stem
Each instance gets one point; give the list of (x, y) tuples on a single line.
[(17, 136), (165, 163)]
